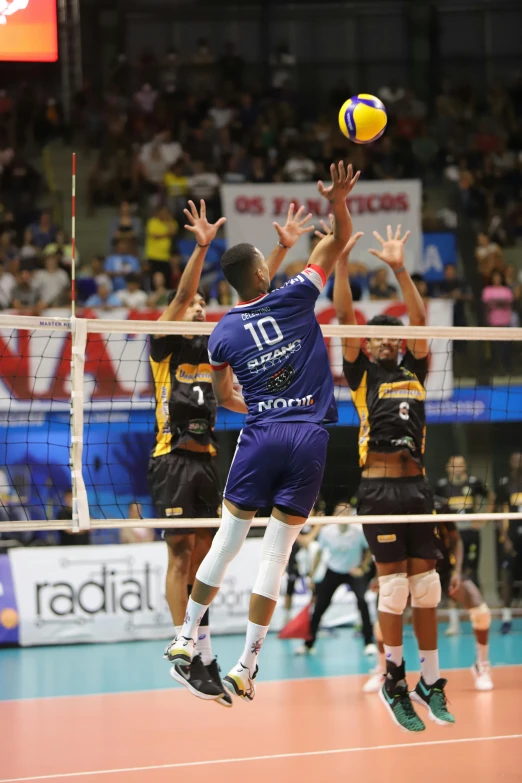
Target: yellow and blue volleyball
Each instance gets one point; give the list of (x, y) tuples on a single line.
[(363, 119)]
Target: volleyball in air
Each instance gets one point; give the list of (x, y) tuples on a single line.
[(362, 119)]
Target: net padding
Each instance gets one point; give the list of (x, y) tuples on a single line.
[(85, 403)]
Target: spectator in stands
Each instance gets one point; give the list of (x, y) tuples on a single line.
[(155, 159), (120, 264), (169, 73), (420, 284), (485, 250), (104, 298), (283, 65), (232, 66), (29, 252), (453, 287), (136, 535), (223, 294), (43, 232), (145, 99), (386, 163), (498, 301), (510, 272), (7, 284), (176, 184), (160, 294), (52, 284), (202, 66), (8, 249), (204, 184), (298, 167), (469, 200), (160, 231), (126, 226), (24, 296), (220, 114), (379, 286), (63, 249), (132, 296)]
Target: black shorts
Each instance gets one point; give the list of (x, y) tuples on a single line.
[(390, 543), (184, 484)]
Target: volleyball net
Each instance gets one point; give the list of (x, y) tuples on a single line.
[(78, 409)]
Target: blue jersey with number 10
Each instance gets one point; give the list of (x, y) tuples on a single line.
[(275, 347)]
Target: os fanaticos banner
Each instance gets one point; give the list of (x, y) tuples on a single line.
[(251, 209), (35, 366), (28, 30)]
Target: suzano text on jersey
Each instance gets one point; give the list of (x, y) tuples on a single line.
[(275, 347)]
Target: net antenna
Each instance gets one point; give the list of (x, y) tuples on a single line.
[(80, 507)]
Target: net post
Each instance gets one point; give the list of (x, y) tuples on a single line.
[(81, 515)]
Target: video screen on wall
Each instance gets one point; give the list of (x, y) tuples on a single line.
[(28, 30)]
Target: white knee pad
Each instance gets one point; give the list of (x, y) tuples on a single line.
[(425, 590), (393, 593), (480, 617), (225, 546), (277, 544)]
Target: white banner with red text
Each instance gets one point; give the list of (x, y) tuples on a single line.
[(251, 211), (72, 595), (35, 366)]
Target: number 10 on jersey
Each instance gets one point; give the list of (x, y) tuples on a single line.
[(263, 327)]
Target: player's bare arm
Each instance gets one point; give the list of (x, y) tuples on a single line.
[(392, 253), (204, 232), (343, 299), (330, 248), (288, 235), (457, 552), (225, 393)]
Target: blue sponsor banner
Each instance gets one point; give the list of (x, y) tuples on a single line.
[(9, 620), (439, 250), (117, 445)]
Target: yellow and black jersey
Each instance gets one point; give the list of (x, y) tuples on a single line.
[(185, 403), (464, 498), (446, 533), (509, 493), (390, 404)]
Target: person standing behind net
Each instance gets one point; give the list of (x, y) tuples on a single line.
[(182, 473), (508, 498), (347, 562), (390, 400), (274, 345), (461, 493)]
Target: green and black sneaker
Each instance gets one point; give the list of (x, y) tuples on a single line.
[(394, 695), (434, 698)]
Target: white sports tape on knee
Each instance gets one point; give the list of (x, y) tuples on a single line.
[(277, 544), (480, 617), (225, 546), (425, 590), (393, 593)]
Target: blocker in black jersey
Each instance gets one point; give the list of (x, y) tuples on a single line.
[(390, 403), (509, 497), (182, 475)]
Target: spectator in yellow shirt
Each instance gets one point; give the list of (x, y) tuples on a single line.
[(161, 228)]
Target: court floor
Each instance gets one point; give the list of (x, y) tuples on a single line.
[(111, 713)]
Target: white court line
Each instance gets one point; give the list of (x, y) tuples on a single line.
[(262, 684), (276, 756)]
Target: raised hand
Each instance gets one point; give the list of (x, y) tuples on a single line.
[(326, 229), (294, 227), (343, 182), (198, 224), (392, 249)]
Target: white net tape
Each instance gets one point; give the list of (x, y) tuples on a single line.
[(79, 330)]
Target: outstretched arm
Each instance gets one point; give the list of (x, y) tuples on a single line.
[(343, 300), (330, 248), (288, 235), (392, 253), (204, 233)]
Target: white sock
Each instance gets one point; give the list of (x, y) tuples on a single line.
[(255, 636), (429, 660), (193, 617), (204, 645), (393, 654), (482, 653), (454, 617), (178, 630), (506, 614)]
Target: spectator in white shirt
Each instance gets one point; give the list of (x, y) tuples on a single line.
[(155, 159), (132, 296), (205, 185), (146, 98), (7, 284), (220, 113), (52, 283), (347, 560), (299, 168)]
